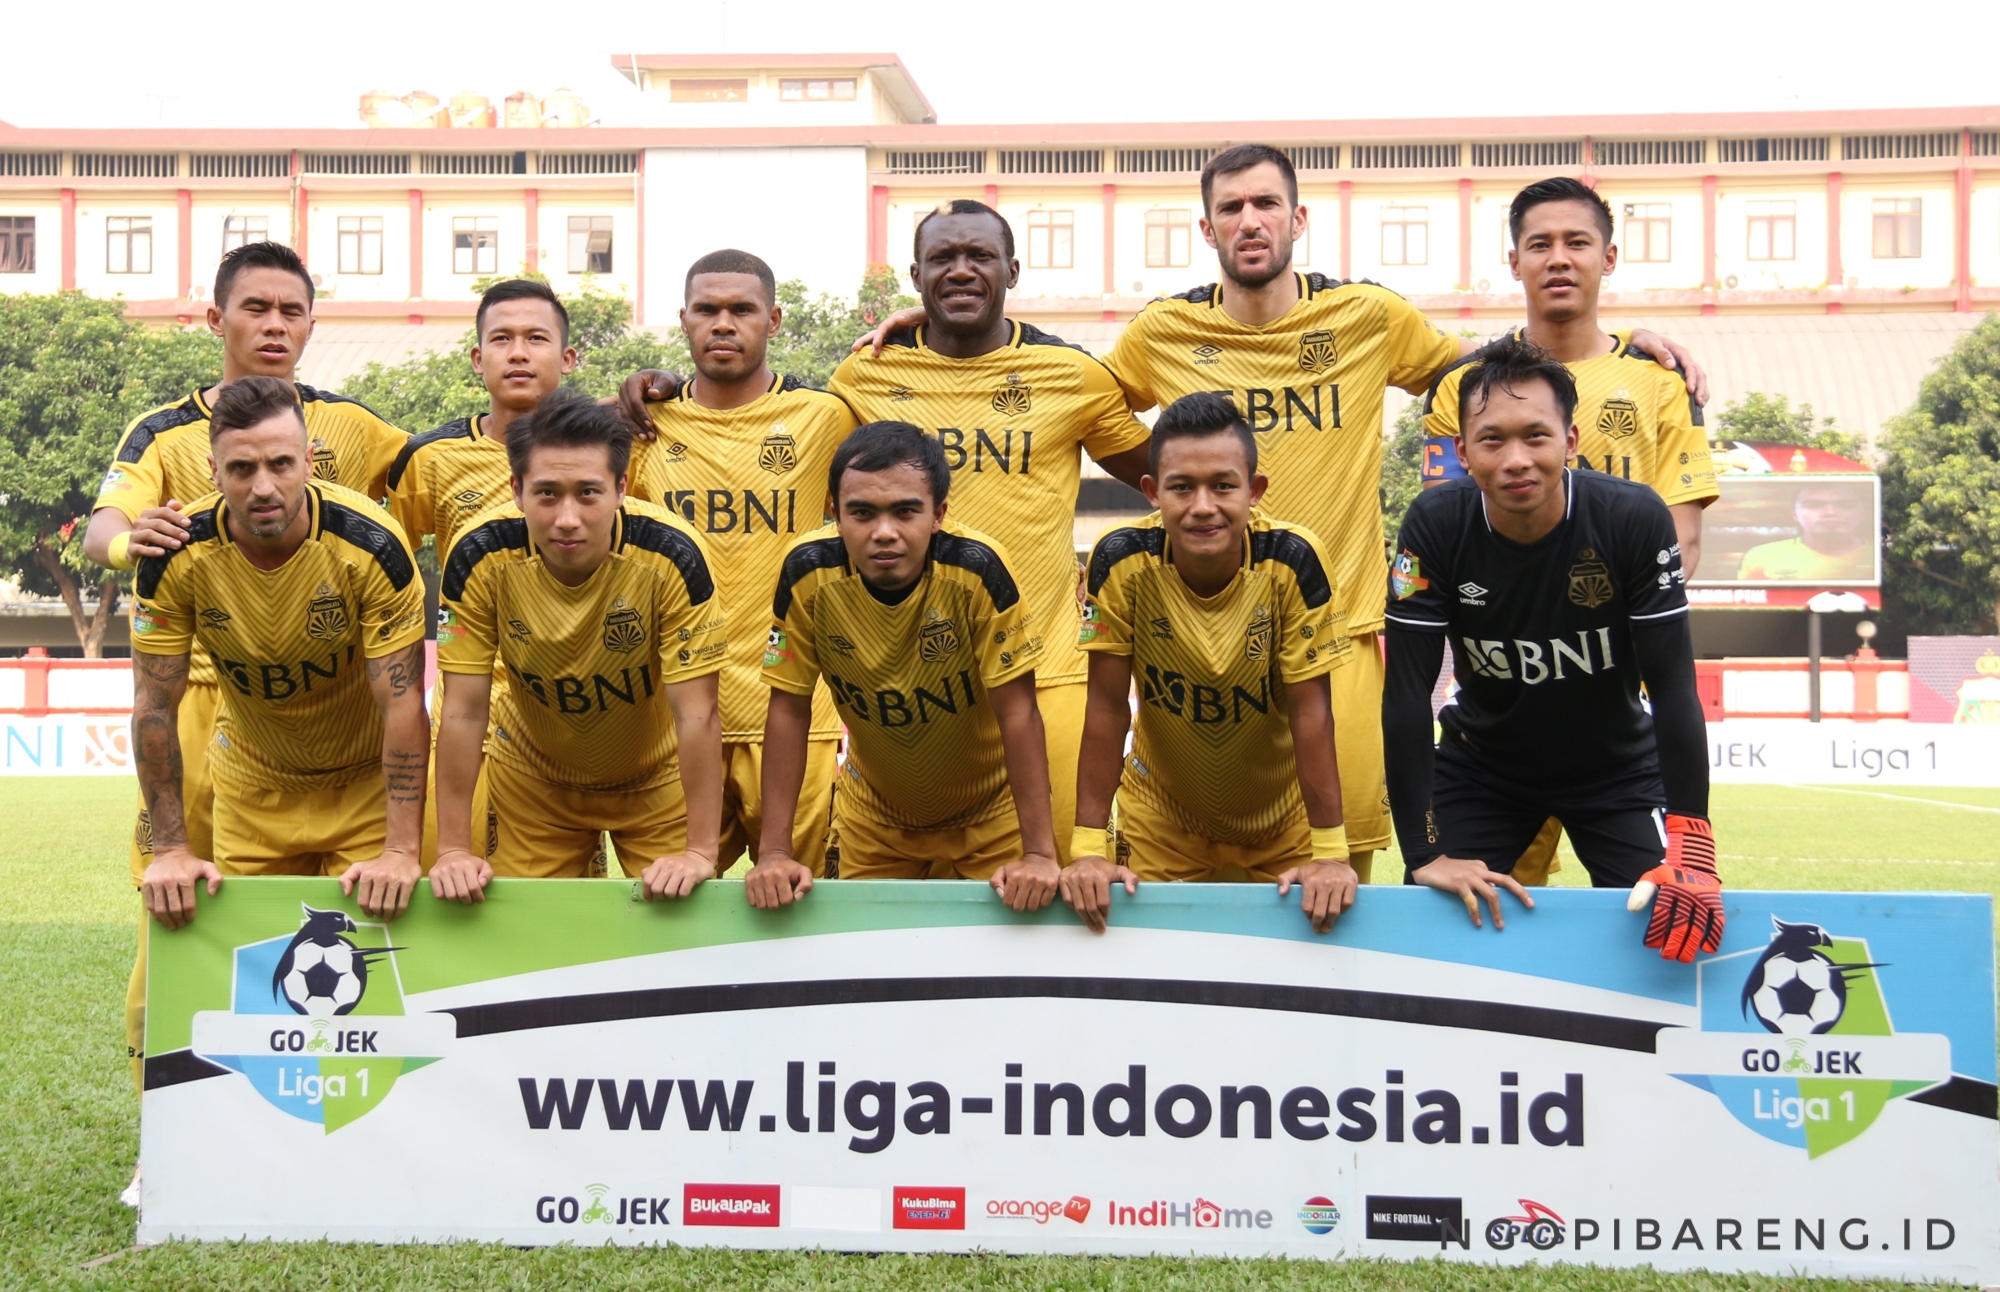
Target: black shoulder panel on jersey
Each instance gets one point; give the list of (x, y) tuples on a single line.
[(1117, 546), (1694, 410), (1430, 396), (313, 394), (1317, 283), (502, 535), (1202, 295), (820, 554), (676, 546), (902, 336), (151, 569), (1286, 547), (458, 430), (1032, 335), (372, 536), (796, 383), (156, 425), (972, 555)]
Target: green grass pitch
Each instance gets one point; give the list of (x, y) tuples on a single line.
[(69, 1121)]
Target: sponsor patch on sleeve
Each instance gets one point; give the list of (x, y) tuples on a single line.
[(777, 650), (1407, 575)]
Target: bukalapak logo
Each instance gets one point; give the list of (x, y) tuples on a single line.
[(927, 1208), (743, 1206), (1039, 1210)]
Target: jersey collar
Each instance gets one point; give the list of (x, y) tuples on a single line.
[(1014, 341), (202, 404), (685, 394)]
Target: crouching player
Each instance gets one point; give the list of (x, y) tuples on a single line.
[(1232, 624), (921, 633), (603, 612), (1563, 592)]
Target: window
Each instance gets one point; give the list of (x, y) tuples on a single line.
[(1169, 239), (17, 244), (1052, 240), (239, 229), (1406, 235), (1773, 229), (1649, 232), (816, 90), (590, 244), (1899, 228), (360, 244), (715, 89), (475, 244), (128, 244)]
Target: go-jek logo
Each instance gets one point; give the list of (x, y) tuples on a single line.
[(1797, 1042), (316, 1021)]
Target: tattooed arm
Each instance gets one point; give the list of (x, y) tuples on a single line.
[(170, 881), (384, 884)]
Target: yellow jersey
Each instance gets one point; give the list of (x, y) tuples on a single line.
[(587, 667), (750, 480), (1213, 745), (1634, 419), (442, 478), (1790, 560), (910, 676), (1310, 384), (1015, 424), (291, 645)]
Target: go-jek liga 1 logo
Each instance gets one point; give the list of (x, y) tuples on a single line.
[(1797, 1042), (316, 1021)]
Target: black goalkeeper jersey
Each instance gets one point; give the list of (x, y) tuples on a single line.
[(1541, 635)]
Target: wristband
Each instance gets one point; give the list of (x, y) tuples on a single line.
[(119, 556), (1086, 842), (1329, 843)]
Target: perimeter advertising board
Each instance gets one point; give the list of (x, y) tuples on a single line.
[(910, 1067)]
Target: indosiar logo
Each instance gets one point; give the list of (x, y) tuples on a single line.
[(316, 1021), (1797, 1041)]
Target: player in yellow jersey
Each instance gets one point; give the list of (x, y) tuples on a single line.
[(1231, 624), (742, 454), (1835, 541), (924, 636), (1634, 417), (308, 600), (604, 614)]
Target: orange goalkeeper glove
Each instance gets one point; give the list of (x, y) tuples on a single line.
[(1685, 893)]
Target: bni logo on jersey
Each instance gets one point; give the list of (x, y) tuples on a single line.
[(316, 1021), (1797, 1041)]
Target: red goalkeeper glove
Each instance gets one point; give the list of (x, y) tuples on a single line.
[(1685, 893)]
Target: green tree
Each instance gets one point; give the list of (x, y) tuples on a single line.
[(1402, 467), (1771, 419)]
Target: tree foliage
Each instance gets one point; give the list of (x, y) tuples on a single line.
[(1402, 467), (1770, 419)]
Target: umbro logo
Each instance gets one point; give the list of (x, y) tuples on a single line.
[(840, 643), (214, 618), (1471, 594), (468, 499), (1163, 629), (897, 394), (1207, 355)]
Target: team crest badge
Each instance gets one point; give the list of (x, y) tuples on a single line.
[(1589, 581), (1013, 398), (325, 467), (1407, 575), (1317, 351), (1619, 419), (1257, 638), (326, 615), (938, 638), (779, 453), (622, 630)]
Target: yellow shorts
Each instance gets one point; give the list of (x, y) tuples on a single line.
[(871, 849), (1539, 862), (1062, 726), (197, 727), (1357, 741), (743, 804), (282, 832), (1159, 850), (536, 830)]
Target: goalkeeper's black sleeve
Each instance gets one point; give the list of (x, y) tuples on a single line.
[(1666, 663), (1409, 743)]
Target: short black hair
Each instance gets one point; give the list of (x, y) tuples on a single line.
[(567, 418), (878, 446), (965, 206), (519, 289), (1508, 362), (1243, 157), (1560, 189), (1205, 412), (258, 255), (247, 401), (731, 261)]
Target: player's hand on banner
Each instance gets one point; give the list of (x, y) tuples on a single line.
[(1473, 882), (169, 885), (159, 530), (910, 316), (459, 876), (675, 876), (1028, 884), (1685, 893), (1326, 889), (383, 886), (1671, 354), (646, 386), (776, 880), (1086, 884)]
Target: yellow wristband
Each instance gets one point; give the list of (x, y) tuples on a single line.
[(1086, 842), (1329, 843), (118, 556)]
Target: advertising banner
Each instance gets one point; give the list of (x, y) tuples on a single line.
[(1955, 680), (1786, 751), (911, 1067), (67, 744)]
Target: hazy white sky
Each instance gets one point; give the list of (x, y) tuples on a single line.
[(197, 63)]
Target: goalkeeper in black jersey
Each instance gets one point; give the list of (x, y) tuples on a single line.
[(1562, 591)]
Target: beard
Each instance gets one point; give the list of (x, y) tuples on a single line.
[(274, 528), (1278, 266)]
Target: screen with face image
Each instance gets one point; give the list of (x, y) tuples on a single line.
[(1789, 530)]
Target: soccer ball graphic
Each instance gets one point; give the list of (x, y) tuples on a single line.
[(323, 981), (1798, 997)]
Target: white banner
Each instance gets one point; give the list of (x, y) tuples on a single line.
[(66, 745), (1789, 752)]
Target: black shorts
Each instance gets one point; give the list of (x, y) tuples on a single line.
[(1482, 813)]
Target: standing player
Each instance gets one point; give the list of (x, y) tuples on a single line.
[(1232, 625), (604, 614), (923, 635), (1562, 592), (308, 600), (742, 453)]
